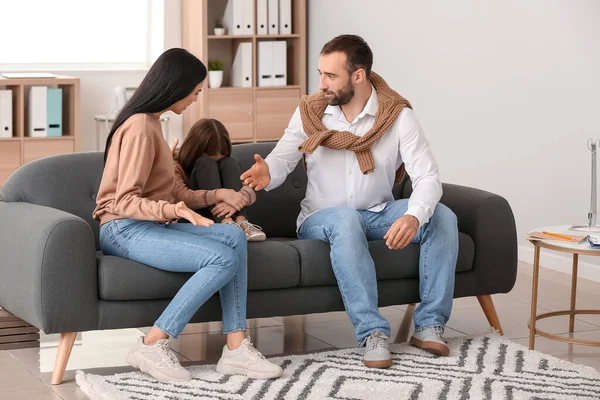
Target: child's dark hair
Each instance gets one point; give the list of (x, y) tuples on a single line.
[(206, 137)]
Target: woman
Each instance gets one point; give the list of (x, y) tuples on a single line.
[(138, 214), (205, 171)]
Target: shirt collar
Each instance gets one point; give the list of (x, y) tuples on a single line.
[(370, 107)]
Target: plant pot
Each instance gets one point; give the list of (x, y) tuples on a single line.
[(219, 31), (215, 79)]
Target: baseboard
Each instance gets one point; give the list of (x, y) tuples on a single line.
[(561, 262)]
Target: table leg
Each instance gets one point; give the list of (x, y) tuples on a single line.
[(97, 137), (573, 293), (534, 294)]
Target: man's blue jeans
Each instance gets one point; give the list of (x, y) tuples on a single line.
[(347, 231), (217, 256)]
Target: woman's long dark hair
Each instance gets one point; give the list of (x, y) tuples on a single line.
[(172, 77)]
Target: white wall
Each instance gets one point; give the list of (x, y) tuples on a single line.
[(506, 91), (97, 87)]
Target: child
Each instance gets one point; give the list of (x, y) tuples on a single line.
[(208, 178)]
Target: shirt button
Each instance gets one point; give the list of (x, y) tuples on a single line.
[(351, 196), (350, 173)]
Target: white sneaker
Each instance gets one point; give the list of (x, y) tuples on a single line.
[(158, 361), (246, 360), (377, 353)]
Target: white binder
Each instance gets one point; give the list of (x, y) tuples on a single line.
[(38, 111), (265, 63), (241, 70), (233, 18), (272, 63), (262, 22), (248, 17), (6, 122), (285, 17), (273, 17), (280, 63)]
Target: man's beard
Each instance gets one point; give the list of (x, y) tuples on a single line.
[(342, 97)]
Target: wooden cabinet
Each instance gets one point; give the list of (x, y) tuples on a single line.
[(235, 108), (254, 113), (20, 148), (274, 107), (39, 148), (10, 158)]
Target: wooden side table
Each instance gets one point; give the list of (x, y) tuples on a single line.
[(575, 249), (16, 333)]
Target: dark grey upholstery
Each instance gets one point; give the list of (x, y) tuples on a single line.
[(53, 275)]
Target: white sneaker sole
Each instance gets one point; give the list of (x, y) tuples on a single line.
[(144, 367), (228, 369)]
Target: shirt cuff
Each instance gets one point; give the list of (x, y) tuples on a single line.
[(272, 175), (419, 213), (210, 197), (169, 211), (249, 193)]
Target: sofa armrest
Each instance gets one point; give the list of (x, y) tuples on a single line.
[(488, 219), (48, 273)]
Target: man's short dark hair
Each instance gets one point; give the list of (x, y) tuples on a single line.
[(358, 53)]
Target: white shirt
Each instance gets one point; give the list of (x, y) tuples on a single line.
[(335, 178)]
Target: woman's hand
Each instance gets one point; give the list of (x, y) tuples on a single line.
[(235, 199), (182, 211), (174, 147), (223, 210)]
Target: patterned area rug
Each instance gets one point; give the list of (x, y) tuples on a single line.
[(483, 367)]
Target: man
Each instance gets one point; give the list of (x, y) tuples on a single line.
[(357, 135)]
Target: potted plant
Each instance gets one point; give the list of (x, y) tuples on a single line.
[(215, 73), (219, 29)]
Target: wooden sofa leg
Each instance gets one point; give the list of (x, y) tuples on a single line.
[(490, 311), (62, 356), (402, 334)]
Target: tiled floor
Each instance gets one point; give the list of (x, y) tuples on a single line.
[(25, 374)]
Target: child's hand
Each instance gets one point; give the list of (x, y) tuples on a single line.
[(235, 199), (182, 211), (223, 210)]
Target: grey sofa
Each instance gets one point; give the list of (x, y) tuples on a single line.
[(53, 275)]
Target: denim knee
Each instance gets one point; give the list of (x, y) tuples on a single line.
[(228, 262), (444, 217), (235, 233)]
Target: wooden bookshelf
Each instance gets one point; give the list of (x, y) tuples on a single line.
[(250, 114), (20, 148)]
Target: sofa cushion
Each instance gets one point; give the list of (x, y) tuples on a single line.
[(272, 264), (316, 267)]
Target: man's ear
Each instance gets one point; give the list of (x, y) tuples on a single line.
[(360, 75)]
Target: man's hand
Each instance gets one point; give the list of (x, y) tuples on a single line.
[(402, 231), (257, 177), (174, 146), (182, 211), (223, 210), (235, 199)]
